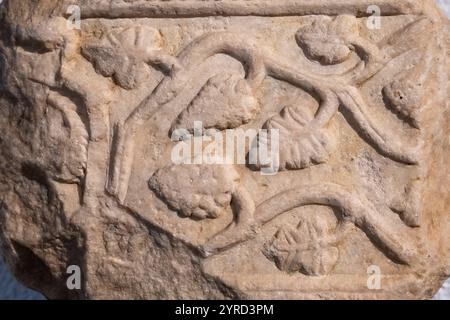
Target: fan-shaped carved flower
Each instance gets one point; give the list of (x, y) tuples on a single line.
[(302, 143), (328, 40), (195, 191), (311, 248), (120, 54)]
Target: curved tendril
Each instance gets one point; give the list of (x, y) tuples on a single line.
[(381, 226)]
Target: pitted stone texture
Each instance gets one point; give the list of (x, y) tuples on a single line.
[(87, 175)]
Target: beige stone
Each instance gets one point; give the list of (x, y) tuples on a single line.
[(357, 118)]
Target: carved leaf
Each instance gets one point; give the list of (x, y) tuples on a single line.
[(225, 102), (119, 55), (309, 248), (328, 40), (302, 143)]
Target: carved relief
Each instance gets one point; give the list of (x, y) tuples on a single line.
[(228, 101), (225, 102), (303, 142), (262, 62), (123, 54), (310, 248), (354, 113), (330, 42), (212, 188), (72, 163)]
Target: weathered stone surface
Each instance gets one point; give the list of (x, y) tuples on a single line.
[(88, 178)]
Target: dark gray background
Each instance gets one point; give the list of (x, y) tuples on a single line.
[(11, 289)]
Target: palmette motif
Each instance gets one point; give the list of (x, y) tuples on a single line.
[(358, 126)]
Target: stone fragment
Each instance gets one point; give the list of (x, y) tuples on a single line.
[(353, 108)]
